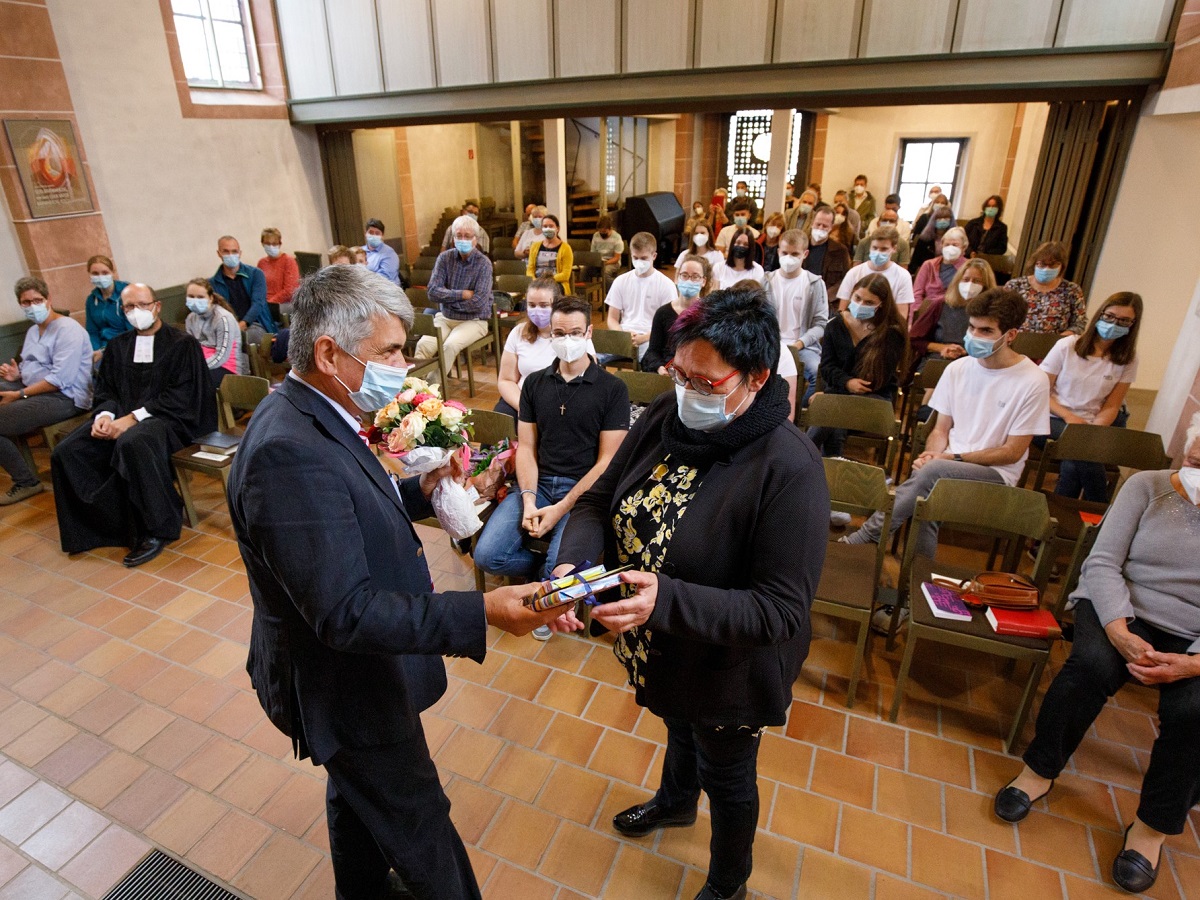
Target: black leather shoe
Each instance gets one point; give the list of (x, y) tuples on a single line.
[(709, 894), (1013, 804), (146, 550), (1132, 872), (646, 817)]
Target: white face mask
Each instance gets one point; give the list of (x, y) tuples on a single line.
[(700, 239), (141, 319), (1190, 479), (819, 234), (790, 264), (642, 266), (568, 348), (950, 253), (968, 289), (772, 231), (839, 219)]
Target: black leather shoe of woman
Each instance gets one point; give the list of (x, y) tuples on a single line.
[(1132, 871), (1013, 804), (644, 818)]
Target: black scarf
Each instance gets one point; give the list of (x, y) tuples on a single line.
[(699, 448)]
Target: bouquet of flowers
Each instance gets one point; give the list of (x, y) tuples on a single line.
[(424, 432)]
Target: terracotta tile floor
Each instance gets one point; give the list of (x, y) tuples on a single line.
[(127, 721)]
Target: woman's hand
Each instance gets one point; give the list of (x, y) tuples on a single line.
[(1163, 668), (858, 386), (567, 622), (1128, 644), (625, 614)]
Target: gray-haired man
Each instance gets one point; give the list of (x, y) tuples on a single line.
[(347, 634)]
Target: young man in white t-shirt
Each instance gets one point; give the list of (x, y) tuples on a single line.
[(635, 296), (879, 262), (801, 303), (990, 405)]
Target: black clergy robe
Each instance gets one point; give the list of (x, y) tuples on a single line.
[(112, 493)]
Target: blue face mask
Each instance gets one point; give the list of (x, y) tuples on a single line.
[(688, 289), (374, 241), (464, 247), (861, 310), (702, 412), (980, 349), (104, 282), (879, 258), (272, 250), (231, 260), (1109, 331), (1045, 275), (37, 313), (198, 305), (941, 224), (380, 385)]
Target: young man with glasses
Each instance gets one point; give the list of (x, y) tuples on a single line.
[(572, 419), (113, 483)]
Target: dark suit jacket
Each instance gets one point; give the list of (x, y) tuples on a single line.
[(347, 638), (731, 624)]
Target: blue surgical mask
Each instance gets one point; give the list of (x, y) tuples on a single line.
[(474, 216), (380, 385), (539, 316), (861, 310), (548, 232), (688, 289), (1045, 275), (464, 247), (231, 260), (37, 313), (272, 250), (536, 221), (980, 349), (879, 258), (702, 412), (941, 224), (991, 211), (374, 241), (1110, 331), (104, 282), (198, 305)]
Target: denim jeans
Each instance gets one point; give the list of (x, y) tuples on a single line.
[(500, 549), (723, 763), (810, 359), (1074, 476)]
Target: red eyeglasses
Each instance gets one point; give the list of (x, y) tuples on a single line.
[(699, 385)]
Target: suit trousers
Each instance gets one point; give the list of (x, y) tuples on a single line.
[(386, 809)]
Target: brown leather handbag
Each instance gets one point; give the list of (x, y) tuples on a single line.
[(1003, 590)]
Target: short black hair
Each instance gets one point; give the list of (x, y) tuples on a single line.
[(374, 223), (740, 324), (891, 198), (1008, 308), (569, 303)]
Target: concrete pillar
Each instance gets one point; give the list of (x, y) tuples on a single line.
[(554, 133), (514, 131), (777, 166)]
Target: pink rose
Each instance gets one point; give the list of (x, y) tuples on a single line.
[(421, 398), (456, 404), (407, 396)]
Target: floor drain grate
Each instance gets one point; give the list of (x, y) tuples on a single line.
[(161, 877)]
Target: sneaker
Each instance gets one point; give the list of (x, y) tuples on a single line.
[(881, 620), (17, 493), (542, 633), (839, 519), (854, 537)]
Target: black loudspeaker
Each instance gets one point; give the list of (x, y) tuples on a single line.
[(660, 214)]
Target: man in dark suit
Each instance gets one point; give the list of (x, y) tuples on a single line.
[(347, 635)]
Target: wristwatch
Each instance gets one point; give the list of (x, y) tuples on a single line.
[(958, 457), (23, 393)]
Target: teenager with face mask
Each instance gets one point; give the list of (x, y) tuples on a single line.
[(739, 261), (637, 294), (767, 246), (1055, 304), (573, 417), (693, 281), (938, 326), (702, 245), (213, 324), (707, 500), (104, 317)]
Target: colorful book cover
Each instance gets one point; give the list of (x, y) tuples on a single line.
[(944, 603)]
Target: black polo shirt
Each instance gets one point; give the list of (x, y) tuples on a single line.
[(570, 416), (239, 297)]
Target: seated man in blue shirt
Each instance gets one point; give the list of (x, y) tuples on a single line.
[(52, 383), (573, 418), (461, 282), (381, 259), (244, 288)]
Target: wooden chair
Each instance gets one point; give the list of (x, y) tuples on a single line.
[(1082, 549), (508, 267), (489, 427), (516, 285), (239, 394), (51, 435), (614, 348), (588, 279), (503, 251), (850, 579), (911, 400), (423, 327), (1035, 345), (307, 262), (420, 277), (997, 511), (871, 418), (644, 387), (488, 342), (424, 263), (419, 298), (430, 249), (580, 245)]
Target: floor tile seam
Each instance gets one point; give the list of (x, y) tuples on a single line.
[(246, 867)]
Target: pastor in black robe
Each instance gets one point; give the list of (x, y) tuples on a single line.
[(113, 493)]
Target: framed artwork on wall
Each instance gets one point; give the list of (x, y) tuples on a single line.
[(47, 158)]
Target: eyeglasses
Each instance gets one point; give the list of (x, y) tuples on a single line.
[(695, 279), (1113, 320), (129, 307), (561, 334), (25, 304), (700, 385)]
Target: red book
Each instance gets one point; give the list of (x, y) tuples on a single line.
[(1031, 623), (1091, 518)]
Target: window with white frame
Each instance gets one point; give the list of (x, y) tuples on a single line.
[(925, 162), (749, 150), (216, 41)]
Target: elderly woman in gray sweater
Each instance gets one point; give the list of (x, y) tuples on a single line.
[(1137, 615), (211, 322)]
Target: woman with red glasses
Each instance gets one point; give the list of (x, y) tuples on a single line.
[(703, 501)]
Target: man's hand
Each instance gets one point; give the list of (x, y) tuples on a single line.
[(119, 426), (928, 457), (638, 338), (858, 386), (10, 371), (504, 608), (1129, 645), (452, 469), (102, 428), (543, 520), (467, 295), (952, 351), (7, 397), (625, 614), (1163, 668), (242, 325), (96, 354), (567, 622)]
